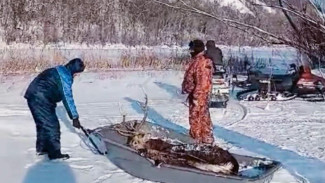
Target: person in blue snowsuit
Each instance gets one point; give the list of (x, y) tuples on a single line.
[(48, 88)]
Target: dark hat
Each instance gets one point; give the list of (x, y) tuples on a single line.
[(196, 46), (75, 66), (210, 44)]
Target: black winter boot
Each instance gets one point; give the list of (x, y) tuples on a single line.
[(58, 155)]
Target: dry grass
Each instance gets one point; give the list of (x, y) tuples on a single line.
[(149, 60), (15, 61)]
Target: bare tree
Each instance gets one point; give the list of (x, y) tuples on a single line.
[(131, 22), (308, 30)]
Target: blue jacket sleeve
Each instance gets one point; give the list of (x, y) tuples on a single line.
[(66, 83)]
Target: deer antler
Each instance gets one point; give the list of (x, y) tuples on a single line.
[(144, 108), (131, 130), (122, 111)]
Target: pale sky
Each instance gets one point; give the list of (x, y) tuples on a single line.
[(320, 3)]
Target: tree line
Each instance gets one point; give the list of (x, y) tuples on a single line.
[(130, 22)]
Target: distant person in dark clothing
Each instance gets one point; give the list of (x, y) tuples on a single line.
[(215, 54), (48, 88)]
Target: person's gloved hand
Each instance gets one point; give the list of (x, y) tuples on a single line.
[(76, 123)]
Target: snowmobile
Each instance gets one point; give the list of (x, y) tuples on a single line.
[(309, 86), (220, 88), (298, 83), (280, 82), (270, 87)]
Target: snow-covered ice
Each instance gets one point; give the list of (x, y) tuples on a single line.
[(290, 132)]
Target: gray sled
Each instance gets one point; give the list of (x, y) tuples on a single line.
[(130, 161)]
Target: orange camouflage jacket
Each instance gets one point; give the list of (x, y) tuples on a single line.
[(198, 77)]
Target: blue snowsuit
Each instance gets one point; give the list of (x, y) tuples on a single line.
[(49, 87)]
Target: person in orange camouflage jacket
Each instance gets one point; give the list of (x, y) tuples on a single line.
[(197, 84)]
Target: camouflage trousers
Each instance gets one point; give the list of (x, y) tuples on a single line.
[(200, 121)]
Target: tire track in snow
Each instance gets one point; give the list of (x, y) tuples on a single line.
[(103, 178), (233, 114)]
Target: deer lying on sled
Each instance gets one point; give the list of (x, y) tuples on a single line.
[(201, 156)]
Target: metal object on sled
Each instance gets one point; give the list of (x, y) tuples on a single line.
[(131, 162)]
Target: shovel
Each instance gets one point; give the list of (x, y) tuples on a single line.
[(86, 132)]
